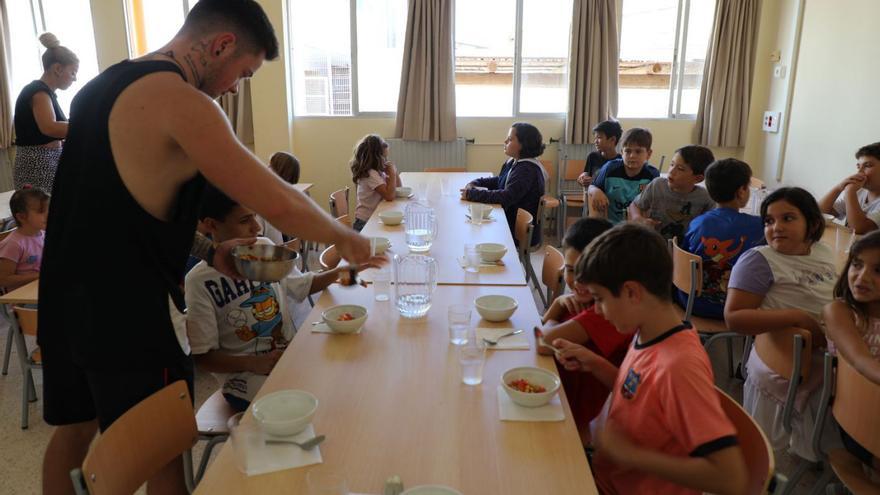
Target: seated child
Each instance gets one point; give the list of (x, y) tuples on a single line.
[(721, 235), (853, 326), (238, 329), (573, 318), (857, 198), (21, 252), (606, 135), (669, 204), (285, 166), (784, 284), (663, 429), (621, 180), (375, 176)]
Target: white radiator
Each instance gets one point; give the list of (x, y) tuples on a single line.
[(570, 152), (415, 156)]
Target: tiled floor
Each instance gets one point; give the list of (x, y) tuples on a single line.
[(21, 451)]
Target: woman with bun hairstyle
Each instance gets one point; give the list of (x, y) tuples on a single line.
[(40, 123)]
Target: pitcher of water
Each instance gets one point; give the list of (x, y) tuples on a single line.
[(420, 227), (415, 278)]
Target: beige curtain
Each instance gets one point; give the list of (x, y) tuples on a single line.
[(6, 104), (426, 102), (592, 79), (240, 112), (723, 113)]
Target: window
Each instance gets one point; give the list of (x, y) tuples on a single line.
[(70, 21), (662, 50), (152, 23), (322, 45), (488, 72)]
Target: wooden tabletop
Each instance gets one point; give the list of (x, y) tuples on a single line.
[(454, 230), (391, 402), (26, 294)]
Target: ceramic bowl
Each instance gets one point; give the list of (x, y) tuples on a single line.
[(331, 318), (286, 412), (535, 376), (495, 307)]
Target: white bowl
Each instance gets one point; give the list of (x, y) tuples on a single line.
[(403, 192), (331, 318), (391, 217), (495, 307), (491, 252), (535, 376), (382, 244), (286, 412), (431, 490), (829, 218)]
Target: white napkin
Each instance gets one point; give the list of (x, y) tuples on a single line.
[(518, 341), (323, 328), (483, 264), (279, 456), (470, 219), (512, 412)]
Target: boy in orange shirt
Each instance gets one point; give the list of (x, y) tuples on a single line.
[(662, 429)]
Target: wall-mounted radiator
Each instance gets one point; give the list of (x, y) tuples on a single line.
[(415, 156)]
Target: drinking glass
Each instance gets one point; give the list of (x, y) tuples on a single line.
[(471, 258), (324, 481), (247, 440), (459, 316), (444, 186), (471, 357), (382, 284), (475, 210)]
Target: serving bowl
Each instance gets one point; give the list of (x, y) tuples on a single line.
[(264, 262)]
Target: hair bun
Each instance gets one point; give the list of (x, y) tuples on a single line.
[(49, 40)]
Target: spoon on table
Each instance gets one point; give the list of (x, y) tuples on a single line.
[(495, 342), (307, 445)]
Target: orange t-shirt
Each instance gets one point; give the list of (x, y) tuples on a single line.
[(664, 399)]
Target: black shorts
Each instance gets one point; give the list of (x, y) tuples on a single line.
[(74, 395)]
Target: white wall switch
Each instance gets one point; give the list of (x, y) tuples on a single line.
[(779, 71), (771, 121)]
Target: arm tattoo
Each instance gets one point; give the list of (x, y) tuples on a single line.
[(201, 246)]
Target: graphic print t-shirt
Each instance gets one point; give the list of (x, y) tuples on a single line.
[(622, 189)]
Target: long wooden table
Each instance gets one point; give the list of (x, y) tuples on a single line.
[(26, 294), (391, 402), (454, 231)]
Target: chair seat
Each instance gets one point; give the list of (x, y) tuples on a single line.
[(851, 473), (550, 202), (574, 199), (213, 415)]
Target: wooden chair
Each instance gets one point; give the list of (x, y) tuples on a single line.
[(141, 442), (211, 422), (330, 258), (687, 276), (26, 324), (523, 234), (549, 202), (571, 193), (339, 202), (445, 169), (546, 203), (551, 274), (756, 449), (8, 351), (345, 220)]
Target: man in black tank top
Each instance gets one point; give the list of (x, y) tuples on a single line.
[(145, 139)]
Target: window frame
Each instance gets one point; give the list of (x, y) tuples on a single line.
[(134, 22)]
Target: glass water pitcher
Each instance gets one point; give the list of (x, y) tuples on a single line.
[(420, 227), (415, 278)]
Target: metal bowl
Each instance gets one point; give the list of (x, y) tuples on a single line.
[(273, 263)]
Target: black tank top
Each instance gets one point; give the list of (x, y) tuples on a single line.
[(108, 265), (27, 132)]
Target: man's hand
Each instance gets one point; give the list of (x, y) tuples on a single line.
[(356, 249), (262, 364), (585, 179), (853, 182), (223, 261)]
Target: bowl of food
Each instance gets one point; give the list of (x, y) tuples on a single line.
[(345, 318), (286, 412), (382, 244), (403, 192), (431, 490), (495, 307), (491, 251), (264, 262), (528, 386), (391, 217)]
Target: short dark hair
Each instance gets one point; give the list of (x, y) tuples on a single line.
[(611, 129), (628, 252), (215, 204), (21, 198), (582, 232), (286, 166), (638, 136), (244, 17), (872, 149), (530, 140), (697, 157), (803, 201), (725, 177)]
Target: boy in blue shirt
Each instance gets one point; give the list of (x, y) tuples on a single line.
[(621, 180)]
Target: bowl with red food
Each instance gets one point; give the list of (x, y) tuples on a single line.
[(528, 386), (345, 318)]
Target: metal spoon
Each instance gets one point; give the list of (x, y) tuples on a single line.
[(307, 445), (495, 342)]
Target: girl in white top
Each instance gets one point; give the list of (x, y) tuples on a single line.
[(784, 284), (853, 322), (375, 176)]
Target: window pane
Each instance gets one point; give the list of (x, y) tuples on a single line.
[(701, 16), (647, 45), (152, 23), (25, 49), (544, 87), (320, 48), (484, 43), (381, 31), (71, 21)]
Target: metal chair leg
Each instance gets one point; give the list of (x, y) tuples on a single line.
[(206, 456), (8, 352), (823, 481), (730, 357), (188, 471)]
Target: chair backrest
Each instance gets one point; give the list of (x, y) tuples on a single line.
[(524, 219), (687, 275), (141, 442), (551, 271), (567, 180), (330, 258), (574, 168), (777, 350), (856, 402), (756, 449), (339, 202), (27, 319), (445, 169), (294, 244), (345, 220)]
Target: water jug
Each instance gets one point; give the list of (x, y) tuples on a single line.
[(415, 278), (420, 227)]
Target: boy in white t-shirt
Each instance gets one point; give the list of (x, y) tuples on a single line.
[(857, 198), (238, 329)]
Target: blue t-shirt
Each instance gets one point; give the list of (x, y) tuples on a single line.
[(719, 236), (622, 189)]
